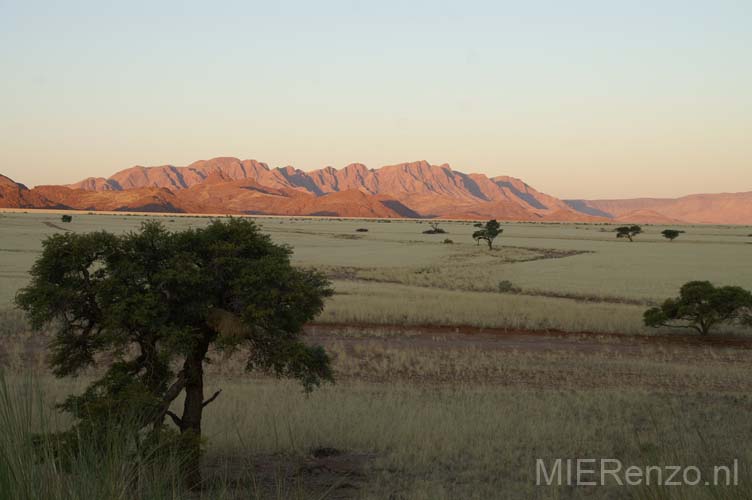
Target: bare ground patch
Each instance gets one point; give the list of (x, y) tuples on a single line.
[(323, 472)]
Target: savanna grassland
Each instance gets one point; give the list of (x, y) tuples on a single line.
[(457, 367)]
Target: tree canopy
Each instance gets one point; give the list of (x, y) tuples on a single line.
[(671, 234), (701, 306), (628, 232), (488, 232), (150, 304)]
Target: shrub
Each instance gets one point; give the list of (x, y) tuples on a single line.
[(447, 241), (66, 218), (506, 286), (671, 234), (361, 230)]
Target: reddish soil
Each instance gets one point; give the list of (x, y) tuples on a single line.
[(521, 339)]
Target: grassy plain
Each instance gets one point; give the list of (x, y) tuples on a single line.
[(572, 277), (434, 413)]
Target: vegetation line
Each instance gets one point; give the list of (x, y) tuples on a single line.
[(528, 293), (316, 327)]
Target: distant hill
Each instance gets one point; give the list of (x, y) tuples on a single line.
[(412, 189), (723, 208)]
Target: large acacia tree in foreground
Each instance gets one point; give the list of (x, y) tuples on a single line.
[(150, 304)]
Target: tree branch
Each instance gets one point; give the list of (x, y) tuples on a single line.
[(174, 390), (214, 396), (170, 394), (178, 421)]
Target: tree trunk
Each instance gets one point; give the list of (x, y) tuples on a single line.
[(705, 328), (190, 422), (490, 244)]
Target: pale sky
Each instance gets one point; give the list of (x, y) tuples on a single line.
[(581, 99)]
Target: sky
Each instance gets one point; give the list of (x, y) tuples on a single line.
[(581, 99)]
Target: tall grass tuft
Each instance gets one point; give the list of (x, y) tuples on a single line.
[(34, 467), (690, 446)]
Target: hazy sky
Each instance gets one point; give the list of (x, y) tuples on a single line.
[(579, 99)]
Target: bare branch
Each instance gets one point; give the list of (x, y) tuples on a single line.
[(178, 421), (214, 396), (170, 394), (174, 390)]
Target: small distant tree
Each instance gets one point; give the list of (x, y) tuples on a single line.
[(671, 234), (488, 233), (628, 232), (66, 218), (701, 306), (435, 229), (148, 306)]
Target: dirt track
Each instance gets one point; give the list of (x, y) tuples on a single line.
[(520, 340)]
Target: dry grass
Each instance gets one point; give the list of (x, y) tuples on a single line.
[(380, 303), (438, 418), (471, 268)]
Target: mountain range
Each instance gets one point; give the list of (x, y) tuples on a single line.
[(405, 190)]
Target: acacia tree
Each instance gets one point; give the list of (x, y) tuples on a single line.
[(701, 307), (153, 302), (488, 232), (671, 234), (435, 229), (628, 232)]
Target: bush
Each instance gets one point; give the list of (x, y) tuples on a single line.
[(66, 218), (35, 466), (447, 241), (361, 230), (506, 286), (671, 234)]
